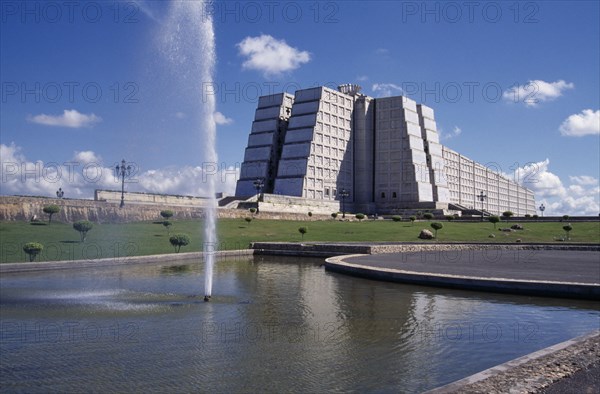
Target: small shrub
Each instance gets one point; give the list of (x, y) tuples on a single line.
[(567, 229), (535, 216), (494, 220), (412, 219), (179, 240), (507, 214), (252, 210), (360, 216), (32, 249), (248, 219), (83, 226), (302, 230), (565, 217), (167, 225), (309, 214), (334, 215), (436, 226), (527, 215), (428, 216), (166, 214), (51, 210), (397, 218), (449, 218)]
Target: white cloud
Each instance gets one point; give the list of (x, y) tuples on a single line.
[(70, 118), (382, 51), (270, 56), (387, 89), (581, 197), (584, 180), (537, 91), (362, 78), (80, 175), (578, 125), (456, 131), (180, 115), (221, 119)]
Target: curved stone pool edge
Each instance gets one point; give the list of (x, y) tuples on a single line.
[(533, 372), (6, 268), (488, 284)]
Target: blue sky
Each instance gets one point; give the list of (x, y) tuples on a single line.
[(514, 85)]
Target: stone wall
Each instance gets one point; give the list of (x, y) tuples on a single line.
[(149, 198), (24, 208)]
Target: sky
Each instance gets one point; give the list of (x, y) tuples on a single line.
[(85, 84)]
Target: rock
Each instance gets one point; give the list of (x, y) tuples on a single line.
[(491, 236), (516, 227), (426, 234), (518, 240), (506, 230)]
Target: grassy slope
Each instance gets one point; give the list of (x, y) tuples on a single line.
[(142, 238)]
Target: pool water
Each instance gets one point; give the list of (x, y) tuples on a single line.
[(274, 324)]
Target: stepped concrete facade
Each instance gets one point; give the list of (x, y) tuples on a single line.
[(383, 155)]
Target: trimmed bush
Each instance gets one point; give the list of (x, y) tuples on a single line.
[(436, 226), (397, 218), (428, 216), (360, 216), (179, 240), (450, 218), (334, 215), (166, 214), (309, 214), (494, 219), (412, 219), (248, 219), (83, 226), (252, 210), (51, 210), (507, 214), (32, 249), (302, 230), (568, 229)]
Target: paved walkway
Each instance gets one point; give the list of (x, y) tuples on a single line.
[(535, 265), (555, 273)]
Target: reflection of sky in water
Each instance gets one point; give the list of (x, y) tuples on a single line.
[(273, 323)]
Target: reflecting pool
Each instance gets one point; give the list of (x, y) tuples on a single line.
[(273, 324)]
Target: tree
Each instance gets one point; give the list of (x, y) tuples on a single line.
[(51, 210), (527, 215), (83, 226), (360, 216), (507, 214), (494, 219), (252, 210), (33, 249), (568, 229), (166, 214), (167, 225), (436, 226), (565, 217), (334, 215), (428, 215), (397, 218), (248, 219), (179, 240), (535, 216), (412, 219), (302, 230)]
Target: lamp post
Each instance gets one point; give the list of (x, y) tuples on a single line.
[(542, 209), (258, 185), (122, 171), (344, 193), (482, 197), (60, 193)]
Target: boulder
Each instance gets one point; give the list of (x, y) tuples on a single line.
[(426, 234), (516, 227)]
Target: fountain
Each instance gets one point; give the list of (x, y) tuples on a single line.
[(189, 44)]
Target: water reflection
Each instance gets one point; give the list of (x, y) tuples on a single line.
[(273, 324)]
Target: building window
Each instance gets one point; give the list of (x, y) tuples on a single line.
[(326, 192), (382, 194), (394, 195)]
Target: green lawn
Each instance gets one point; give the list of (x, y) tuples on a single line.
[(61, 241)]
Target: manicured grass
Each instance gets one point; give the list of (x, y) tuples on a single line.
[(61, 241)]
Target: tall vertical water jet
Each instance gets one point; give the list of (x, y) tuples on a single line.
[(189, 43)]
